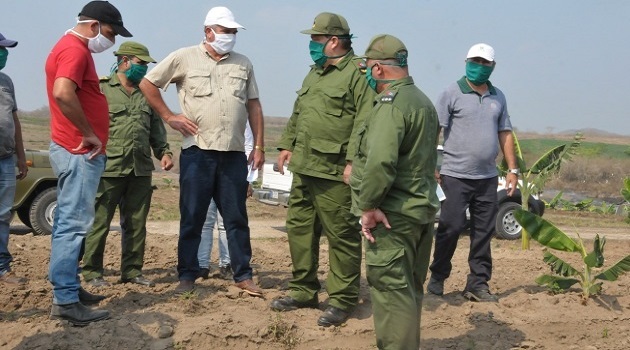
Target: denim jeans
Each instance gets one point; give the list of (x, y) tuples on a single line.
[(76, 192), (7, 193), (205, 245), (222, 176)]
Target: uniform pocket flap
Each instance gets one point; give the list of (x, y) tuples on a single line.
[(325, 146), (384, 257), (115, 108), (302, 91)]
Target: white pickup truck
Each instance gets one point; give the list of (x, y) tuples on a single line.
[(275, 189)]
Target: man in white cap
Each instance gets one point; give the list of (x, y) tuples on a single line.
[(217, 94), (475, 119)]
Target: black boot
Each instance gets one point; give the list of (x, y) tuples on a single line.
[(87, 298), (77, 314)]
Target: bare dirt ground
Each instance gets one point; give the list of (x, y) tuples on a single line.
[(220, 316)]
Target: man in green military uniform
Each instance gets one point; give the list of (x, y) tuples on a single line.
[(319, 141), (134, 129), (393, 190)]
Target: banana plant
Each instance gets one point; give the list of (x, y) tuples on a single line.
[(533, 179), (566, 275), (625, 192)]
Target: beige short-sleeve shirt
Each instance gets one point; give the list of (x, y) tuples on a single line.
[(213, 94)]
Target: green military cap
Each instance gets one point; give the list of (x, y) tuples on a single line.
[(385, 47), (327, 23), (133, 48)]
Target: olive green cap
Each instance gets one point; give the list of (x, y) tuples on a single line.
[(132, 48), (386, 47), (327, 23)]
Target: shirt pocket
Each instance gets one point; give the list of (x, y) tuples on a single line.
[(198, 83), (238, 83), (115, 156), (326, 156), (335, 101), (384, 268)]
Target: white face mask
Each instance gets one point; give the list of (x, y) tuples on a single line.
[(223, 43), (97, 44)]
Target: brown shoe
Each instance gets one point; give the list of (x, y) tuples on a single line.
[(10, 278), (185, 286), (250, 288)]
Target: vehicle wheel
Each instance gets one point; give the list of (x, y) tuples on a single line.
[(24, 214), (43, 211), (506, 225)]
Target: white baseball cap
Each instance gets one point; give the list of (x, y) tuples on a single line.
[(482, 50), (221, 16)]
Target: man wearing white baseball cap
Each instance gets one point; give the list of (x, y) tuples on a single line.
[(475, 119), (218, 94)]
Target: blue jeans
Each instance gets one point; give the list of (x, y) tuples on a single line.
[(76, 192), (222, 176), (7, 193), (205, 245)]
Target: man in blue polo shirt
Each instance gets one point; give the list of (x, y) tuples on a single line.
[(474, 118)]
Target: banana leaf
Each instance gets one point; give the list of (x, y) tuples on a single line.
[(596, 257), (625, 192), (550, 161), (559, 266), (616, 270), (556, 283), (545, 232)]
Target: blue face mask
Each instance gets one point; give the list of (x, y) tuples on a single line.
[(3, 57), (317, 52), (136, 72), (370, 79), (478, 74)]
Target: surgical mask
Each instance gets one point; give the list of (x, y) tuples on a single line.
[(97, 44), (223, 43), (478, 74), (372, 81), (136, 72), (3, 57), (317, 52)]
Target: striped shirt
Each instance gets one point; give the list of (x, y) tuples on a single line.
[(212, 94)]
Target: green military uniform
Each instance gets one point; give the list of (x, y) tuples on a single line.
[(321, 134), (134, 129), (394, 171)]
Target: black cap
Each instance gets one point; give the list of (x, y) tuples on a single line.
[(105, 12)]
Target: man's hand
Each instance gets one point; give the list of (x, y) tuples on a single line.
[(182, 124), (167, 162), (346, 173), (438, 177), (91, 143), (511, 181), (284, 157), (257, 159), (369, 220), (22, 169)]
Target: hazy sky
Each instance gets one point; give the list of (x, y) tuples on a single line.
[(561, 64)]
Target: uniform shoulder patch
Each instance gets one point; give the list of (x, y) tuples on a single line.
[(388, 96), (104, 78)]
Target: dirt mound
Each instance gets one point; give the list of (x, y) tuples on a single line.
[(220, 316)]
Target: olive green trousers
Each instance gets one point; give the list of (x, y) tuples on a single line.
[(315, 206), (396, 268), (132, 194)]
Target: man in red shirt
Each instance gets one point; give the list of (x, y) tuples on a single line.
[(79, 131)]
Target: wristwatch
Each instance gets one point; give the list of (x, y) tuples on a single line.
[(516, 172)]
